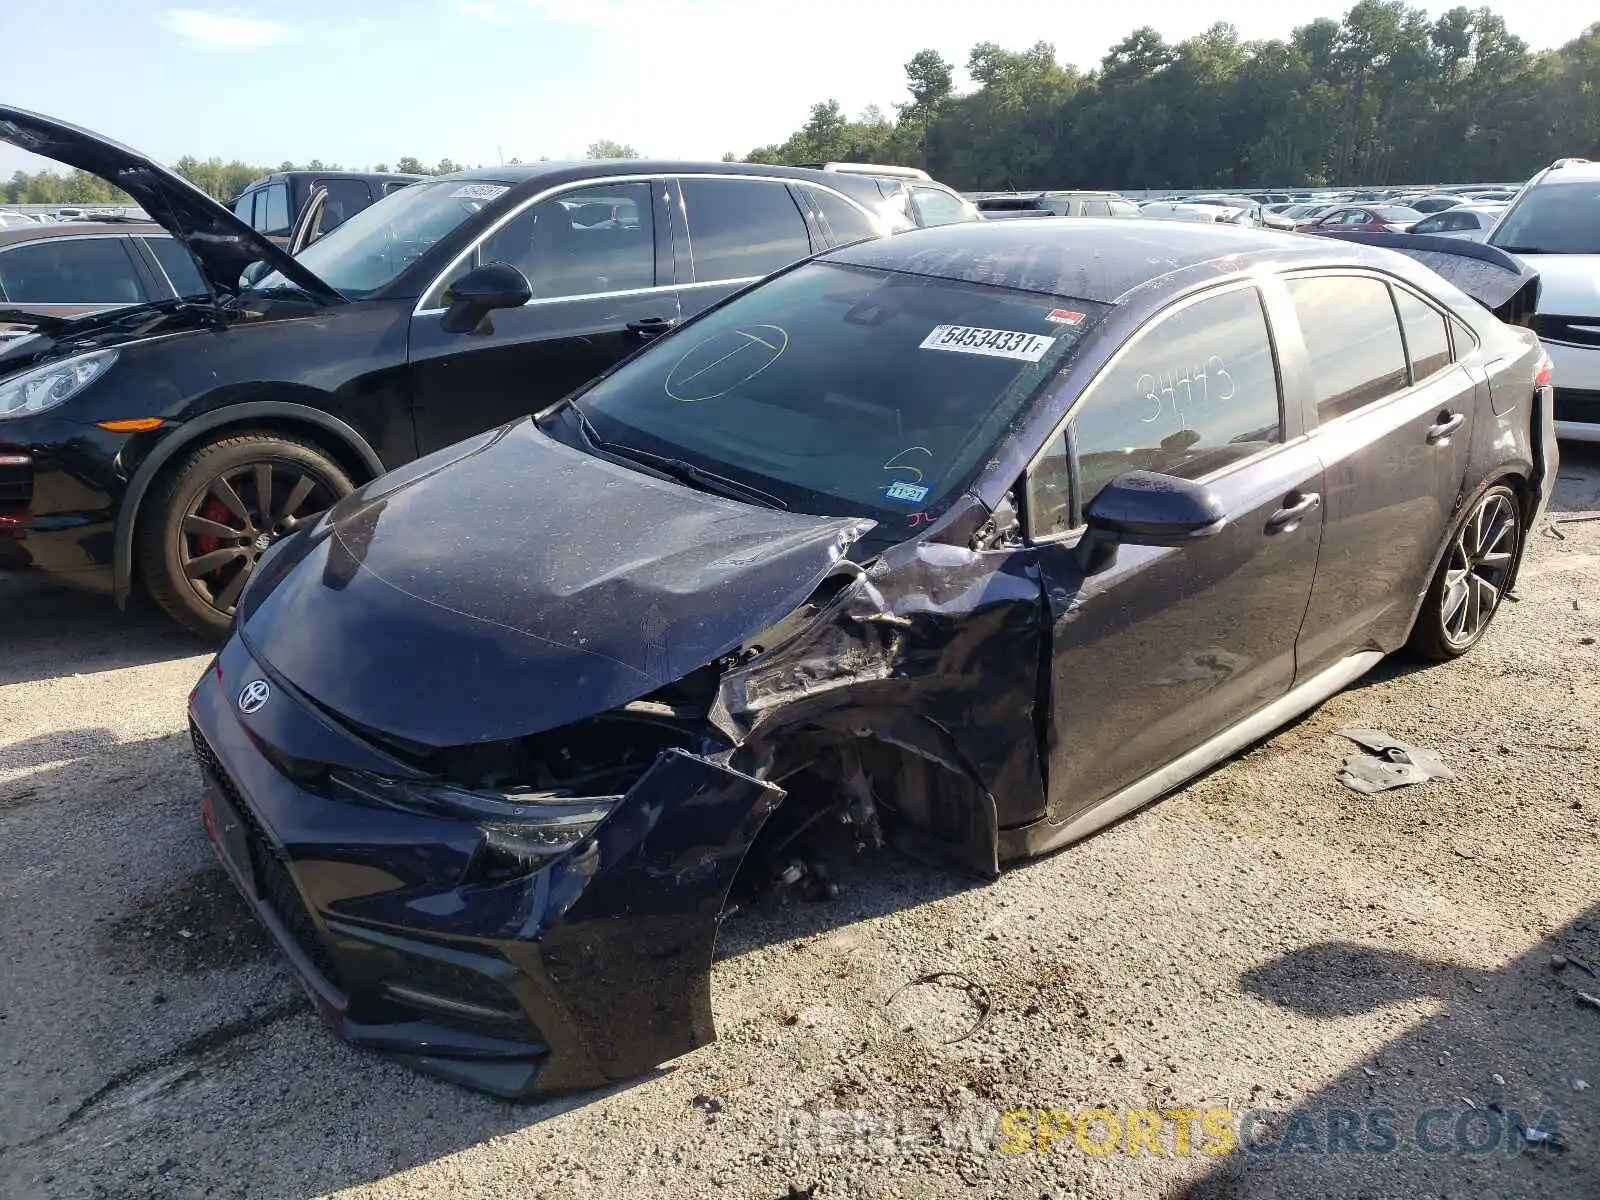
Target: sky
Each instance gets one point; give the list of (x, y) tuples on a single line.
[(366, 81)]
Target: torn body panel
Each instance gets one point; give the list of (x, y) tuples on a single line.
[(416, 937)]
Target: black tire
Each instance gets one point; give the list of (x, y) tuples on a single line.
[(1476, 570), (195, 517)]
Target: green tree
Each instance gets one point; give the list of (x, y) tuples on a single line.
[(605, 148)]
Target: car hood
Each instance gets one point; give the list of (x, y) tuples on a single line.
[(514, 584), (1570, 283), (222, 245)]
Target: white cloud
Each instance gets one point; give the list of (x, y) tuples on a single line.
[(222, 31)]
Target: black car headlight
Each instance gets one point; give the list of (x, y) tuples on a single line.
[(539, 824), (52, 384)]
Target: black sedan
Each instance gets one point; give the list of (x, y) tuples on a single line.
[(168, 443), (973, 540)]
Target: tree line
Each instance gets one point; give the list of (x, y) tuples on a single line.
[(222, 180), (1383, 95)]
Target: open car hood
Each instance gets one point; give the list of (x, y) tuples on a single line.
[(1502, 283), (513, 584), (222, 245)]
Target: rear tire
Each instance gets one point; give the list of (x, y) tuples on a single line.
[(216, 510), (1472, 578)]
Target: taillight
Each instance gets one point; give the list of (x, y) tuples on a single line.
[(1541, 373)]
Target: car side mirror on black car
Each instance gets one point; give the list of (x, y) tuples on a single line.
[(482, 290), (1144, 508)]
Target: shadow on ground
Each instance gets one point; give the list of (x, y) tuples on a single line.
[(46, 630), (1463, 1116)]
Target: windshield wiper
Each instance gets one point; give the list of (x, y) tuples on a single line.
[(676, 468)]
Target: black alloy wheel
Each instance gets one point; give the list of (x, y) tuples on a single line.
[(218, 511)]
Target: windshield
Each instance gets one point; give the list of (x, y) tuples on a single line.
[(372, 248), (1552, 218), (842, 390), (1395, 212)]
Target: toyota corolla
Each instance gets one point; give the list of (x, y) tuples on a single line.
[(970, 541)]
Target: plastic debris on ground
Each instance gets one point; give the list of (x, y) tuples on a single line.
[(1388, 763)]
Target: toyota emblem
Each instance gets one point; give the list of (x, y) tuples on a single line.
[(254, 695)]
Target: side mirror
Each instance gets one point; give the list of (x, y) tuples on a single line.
[(482, 290), (1143, 508), (253, 274)]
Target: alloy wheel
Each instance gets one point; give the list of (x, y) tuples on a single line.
[(1479, 568), (239, 515)]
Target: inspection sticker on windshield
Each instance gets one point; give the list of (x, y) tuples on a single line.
[(995, 343), (479, 191), (1063, 316), (905, 492)]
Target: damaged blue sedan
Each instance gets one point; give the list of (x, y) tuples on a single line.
[(971, 541)]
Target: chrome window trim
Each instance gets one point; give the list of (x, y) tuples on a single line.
[(1187, 302), (601, 180), (161, 266)]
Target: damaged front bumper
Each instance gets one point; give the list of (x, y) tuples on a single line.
[(590, 968)]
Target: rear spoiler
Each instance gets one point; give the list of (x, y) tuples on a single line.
[(1502, 283)]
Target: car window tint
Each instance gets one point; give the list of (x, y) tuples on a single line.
[(70, 271), (1096, 208), (272, 210), (1352, 340), (1431, 225), (1552, 218), (1192, 392), (346, 197), (178, 263), (1427, 335), (580, 243), (243, 205), (939, 207), (741, 228), (842, 221)]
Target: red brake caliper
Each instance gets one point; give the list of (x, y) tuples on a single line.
[(204, 543)]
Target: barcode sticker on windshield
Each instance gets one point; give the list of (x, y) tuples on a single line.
[(995, 343), (479, 191)]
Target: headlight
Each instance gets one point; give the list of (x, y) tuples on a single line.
[(54, 383), (537, 823)]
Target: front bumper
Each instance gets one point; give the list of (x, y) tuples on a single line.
[(591, 969), (60, 485)]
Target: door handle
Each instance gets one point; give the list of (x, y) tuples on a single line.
[(1447, 424), (649, 327), (1287, 518)]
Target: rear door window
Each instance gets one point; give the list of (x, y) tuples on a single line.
[(1096, 208), (346, 197), (1427, 335), (938, 207), (1352, 339), (742, 228), (93, 270), (1192, 392), (842, 221), (178, 263)]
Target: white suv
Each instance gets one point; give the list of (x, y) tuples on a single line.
[(1554, 224)]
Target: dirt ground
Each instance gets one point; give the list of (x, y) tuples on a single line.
[(1263, 940)]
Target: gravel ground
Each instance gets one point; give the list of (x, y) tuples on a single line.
[(1264, 939)]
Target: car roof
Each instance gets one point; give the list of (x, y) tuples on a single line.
[(40, 233), (1570, 170), (298, 174), (1091, 258), (556, 172)]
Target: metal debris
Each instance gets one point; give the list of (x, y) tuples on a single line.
[(1388, 763)]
